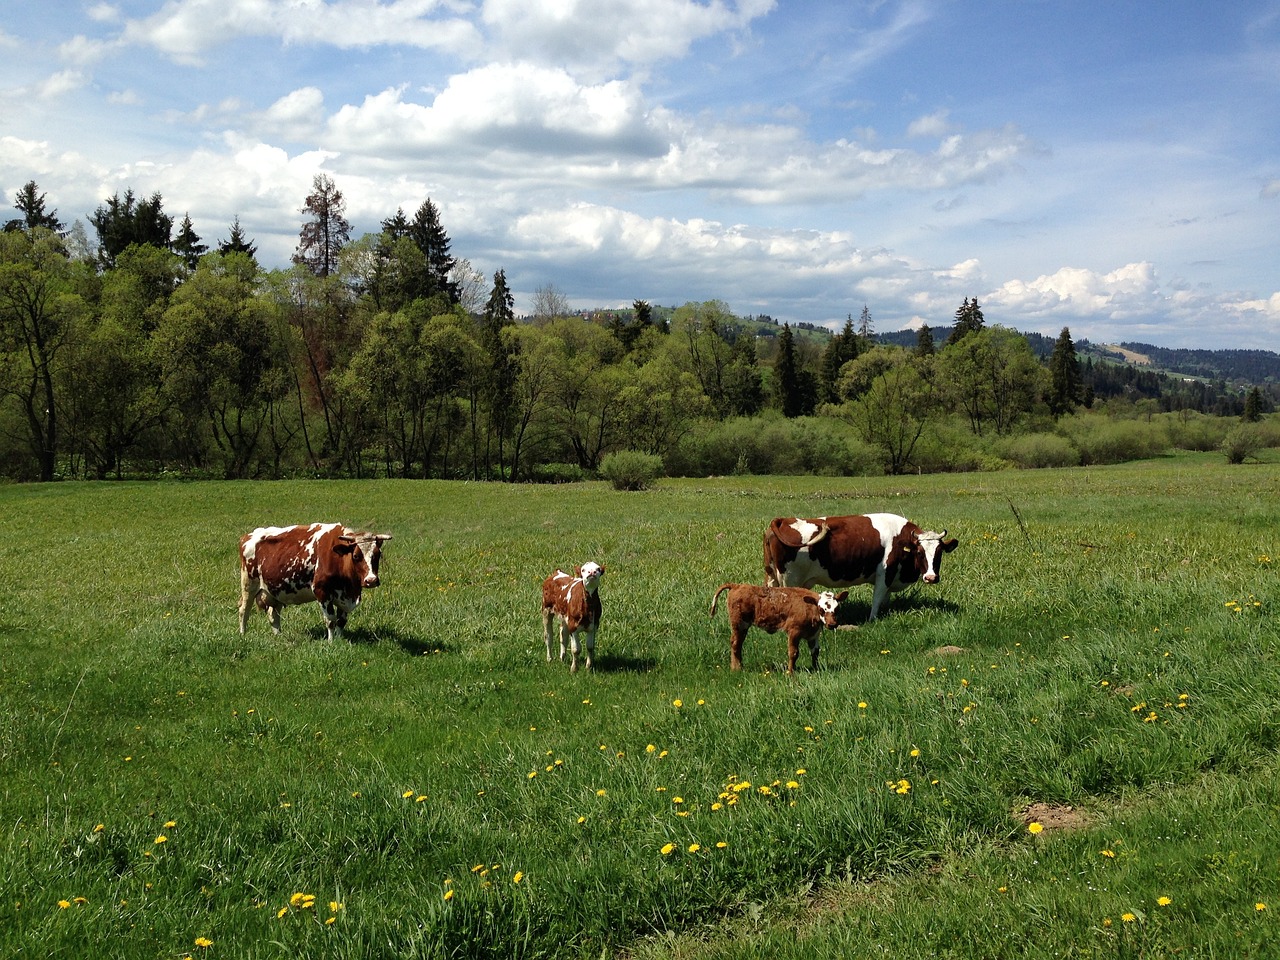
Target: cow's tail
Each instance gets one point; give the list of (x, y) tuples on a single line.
[(716, 598)]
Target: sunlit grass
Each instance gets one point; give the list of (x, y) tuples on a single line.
[(433, 787)]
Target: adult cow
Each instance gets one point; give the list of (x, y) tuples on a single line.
[(881, 548), (325, 562)]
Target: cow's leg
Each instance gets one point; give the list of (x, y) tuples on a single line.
[(814, 643), (574, 648), (590, 645), (247, 590), (273, 614), (738, 633), (547, 616), (564, 636), (881, 591), (793, 651)]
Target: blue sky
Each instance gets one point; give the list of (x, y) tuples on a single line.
[(1109, 167)]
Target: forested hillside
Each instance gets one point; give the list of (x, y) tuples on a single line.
[(143, 352)]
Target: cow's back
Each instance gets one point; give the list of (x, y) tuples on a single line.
[(849, 554), (284, 559)]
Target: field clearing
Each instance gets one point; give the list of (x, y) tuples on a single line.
[(431, 787)]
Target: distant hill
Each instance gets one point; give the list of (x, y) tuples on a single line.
[(1236, 366)]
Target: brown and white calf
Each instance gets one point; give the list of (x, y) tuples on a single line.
[(325, 562), (574, 600), (881, 548), (800, 613)]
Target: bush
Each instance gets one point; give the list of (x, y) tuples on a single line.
[(1244, 440), (1196, 431), (1036, 450), (1101, 440), (771, 444), (630, 469)]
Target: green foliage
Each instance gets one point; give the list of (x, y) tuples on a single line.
[(770, 444), (1102, 441), (1038, 450), (631, 469), (1246, 440)]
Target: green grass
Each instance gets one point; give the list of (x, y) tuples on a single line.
[(1119, 656)]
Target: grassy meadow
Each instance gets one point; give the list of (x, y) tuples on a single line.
[(1068, 748)]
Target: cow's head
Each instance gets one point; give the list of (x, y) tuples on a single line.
[(930, 547), (828, 603), (352, 562), (589, 573), (370, 545)]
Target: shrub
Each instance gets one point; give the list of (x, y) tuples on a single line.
[(1102, 441), (1244, 440), (1036, 450), (771, 444), (1196, 431), (630, 469)]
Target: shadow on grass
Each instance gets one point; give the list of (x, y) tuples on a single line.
[(855, 613), (623, 663), (411, 644)]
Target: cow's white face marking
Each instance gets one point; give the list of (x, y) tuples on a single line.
[(931, 544), (827, 602), (591, 574)]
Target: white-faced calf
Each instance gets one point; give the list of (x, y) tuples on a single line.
[(800, 613), (574, 600)]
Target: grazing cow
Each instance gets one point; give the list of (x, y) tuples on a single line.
[(573, 599), (799, 612), (325, 562), (880, 548)]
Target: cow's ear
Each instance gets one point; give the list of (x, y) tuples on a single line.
[(344, 545), (908, 546), (577, 572), (840, 597), (949, 545), (812, 600)]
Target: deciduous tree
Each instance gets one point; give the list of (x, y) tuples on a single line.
[(324, 233)]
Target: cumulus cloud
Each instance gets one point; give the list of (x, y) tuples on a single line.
[(936, 125), (185, 30), (1128, 291)]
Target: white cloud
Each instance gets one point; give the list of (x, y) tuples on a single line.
[(598, 35), (1128, 291), (60, 84), (296, 116), (935, 125), (185, 30), (82, 51)]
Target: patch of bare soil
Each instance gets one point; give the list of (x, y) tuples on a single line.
[(949, 650), (1054, 816)]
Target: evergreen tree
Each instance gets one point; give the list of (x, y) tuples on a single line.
[(924, 342), (866, 329), (499, 389), (238, 242), (644, 313), (121, 222), (1065, 385), (786, 375), (429, 236), (842, 348), (1253, 406), (31, 204), (323, 236), (187, 243), (968, 320)]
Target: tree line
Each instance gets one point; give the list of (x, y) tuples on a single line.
[(143, 351)]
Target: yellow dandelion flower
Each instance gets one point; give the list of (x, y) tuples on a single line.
[(582, 819), (721, 844), (1259, 906), (601, 792), (801, 772), (1128, 917), (80, 900), (650, 748), (517, 876), (335, 906), (677, 799), (1035, 826), (1164, 901), (170, 824), (915, 751), (1109, 854), (203, 942), (695, 847), (281, 912), (162, 839), (531, 774), (448, 894), (862, 704), (64, 904), (793, 785), (717, 805), (407, 794), (99, 828), (677, 703), (1106, 922), (330, 921), (668, 849)]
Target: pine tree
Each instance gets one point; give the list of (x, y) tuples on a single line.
[(187, 243), (924, 342), (238, 243), (499, 388), (969, 320), (121, 222), (786, 375), (425, 231), (324, 235), (1253, 406), (866, 329), (31, 204), (1065, 383), (842, 348)]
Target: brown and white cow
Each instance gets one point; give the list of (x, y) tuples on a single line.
[(800, 613), (881, 548), (325, 562), (574, 600)]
